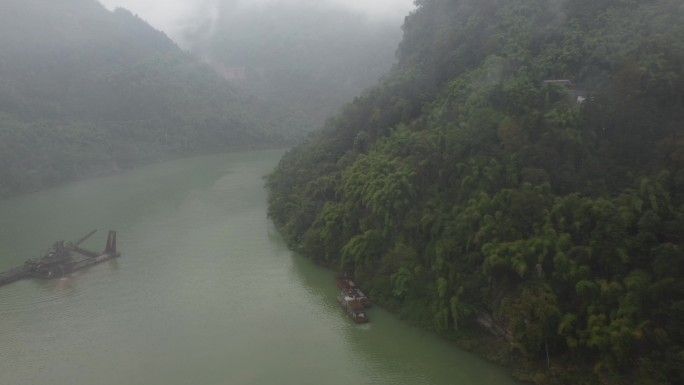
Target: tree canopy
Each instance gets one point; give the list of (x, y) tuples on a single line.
[(519, 171)]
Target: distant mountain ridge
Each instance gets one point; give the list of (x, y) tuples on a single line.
[(84, 90), (312, 58)]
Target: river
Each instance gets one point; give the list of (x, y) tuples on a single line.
[(205, 292)]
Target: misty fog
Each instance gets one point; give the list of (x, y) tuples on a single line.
[(309, 57), (341, 192), (176, 17)]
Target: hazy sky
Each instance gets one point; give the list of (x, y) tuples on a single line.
[(172, 15)]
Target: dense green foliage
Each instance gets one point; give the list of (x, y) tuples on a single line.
[(85, 91), (465, 192)]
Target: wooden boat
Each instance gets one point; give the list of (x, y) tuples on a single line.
[(349, 288), (354, 308)]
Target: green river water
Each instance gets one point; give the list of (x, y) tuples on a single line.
[(205, 292)]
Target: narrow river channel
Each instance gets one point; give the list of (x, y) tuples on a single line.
[(205, 292)]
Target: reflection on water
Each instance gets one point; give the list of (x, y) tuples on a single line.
[(205, 292)]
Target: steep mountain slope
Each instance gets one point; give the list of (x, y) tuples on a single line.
[(84, 91), (520, 173)]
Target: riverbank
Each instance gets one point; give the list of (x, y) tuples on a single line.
[(112, 167), (476, 339), (206, 292)]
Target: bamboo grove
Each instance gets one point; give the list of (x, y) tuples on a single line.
[(473, 191)]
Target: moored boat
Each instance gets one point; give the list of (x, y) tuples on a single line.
[(349, 288), (354, 308)]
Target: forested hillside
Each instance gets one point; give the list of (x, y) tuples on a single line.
[(477, 189), (84, 91)]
